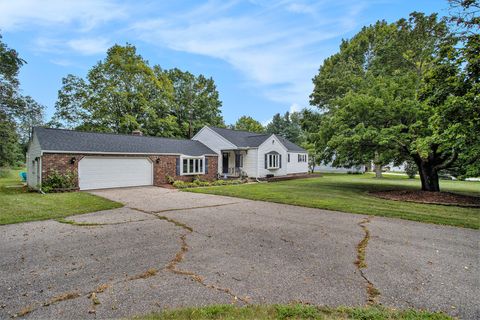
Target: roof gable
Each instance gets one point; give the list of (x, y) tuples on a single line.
[(246, 139), (62, 140)]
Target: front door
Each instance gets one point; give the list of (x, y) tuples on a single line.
[(225, 162)]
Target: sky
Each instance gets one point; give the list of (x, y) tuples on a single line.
[(261, 54)]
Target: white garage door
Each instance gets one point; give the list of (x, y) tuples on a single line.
[(113, 172)]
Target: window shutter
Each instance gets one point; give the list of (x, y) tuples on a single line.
[(206, 165), (288, 157), (279, 160), (237, 160), (177, 166), (266, 160)]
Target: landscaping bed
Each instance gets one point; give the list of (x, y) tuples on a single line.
[(200, 183), (442, 198)]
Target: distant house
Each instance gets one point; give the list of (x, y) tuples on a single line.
[(105, 160), (253, 154)]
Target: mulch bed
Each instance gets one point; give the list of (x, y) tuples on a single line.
[(443, 198), (166, 186)]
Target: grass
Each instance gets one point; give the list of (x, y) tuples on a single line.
[(19, 205), (294, 311), (349, 193)]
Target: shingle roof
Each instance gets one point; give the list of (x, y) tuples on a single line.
[(245, 139), (79, 141)]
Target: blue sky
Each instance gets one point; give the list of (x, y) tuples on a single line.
[(261, 54)]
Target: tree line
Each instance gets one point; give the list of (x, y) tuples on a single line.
[(18, 113)]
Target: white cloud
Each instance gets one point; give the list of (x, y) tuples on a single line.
[(278, 53), (62, 62), (82, 46), (295, 107), (89, 46), (86, 14), (266, 122)]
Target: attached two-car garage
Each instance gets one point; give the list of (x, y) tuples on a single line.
[(113, 172)]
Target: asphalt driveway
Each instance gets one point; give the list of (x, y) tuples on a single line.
[(167, 248)]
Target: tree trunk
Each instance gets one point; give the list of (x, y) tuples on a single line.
[(378, 166), (429, 176)]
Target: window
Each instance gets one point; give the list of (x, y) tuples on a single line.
[(302, 157), (273, 161), (288, 157), (192, 166), (241, 161)]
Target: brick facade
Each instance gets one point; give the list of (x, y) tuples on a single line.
[(167, 167), (61, 162), (163, 166)]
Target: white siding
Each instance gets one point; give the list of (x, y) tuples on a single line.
[(267, 147), (34, 153), (296, 167), (215, 142), (250, 161)]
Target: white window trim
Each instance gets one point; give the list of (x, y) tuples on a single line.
[(188, 164), (302, 157), (275, 160)]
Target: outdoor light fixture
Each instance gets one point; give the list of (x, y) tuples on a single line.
[(158, 160), (72, 161)]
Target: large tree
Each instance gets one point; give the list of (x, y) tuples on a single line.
[(247, 123), (10, 105), (196, 100), (32, 115), (288, 126), (123, 93), (465, 15), (396, 92)]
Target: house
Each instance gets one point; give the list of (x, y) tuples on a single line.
[(106, 160), (252, 154)]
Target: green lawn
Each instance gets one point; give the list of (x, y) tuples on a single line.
[(223, 312), (19, 205), (348, 193)]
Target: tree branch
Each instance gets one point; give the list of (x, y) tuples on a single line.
[(448, 162)]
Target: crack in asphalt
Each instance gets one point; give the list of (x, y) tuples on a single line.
[(372, 292), (95, 224), (170, 267), (180, 255)]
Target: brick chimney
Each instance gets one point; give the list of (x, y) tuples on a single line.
[(137, 133)]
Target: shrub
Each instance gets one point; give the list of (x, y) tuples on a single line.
[(199, 183), (57, 181), (4, 172), (170, 179), (219, 183), (179, 184), (411, 169)]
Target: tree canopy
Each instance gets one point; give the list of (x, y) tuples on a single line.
[(399, 91), (122, 93), (196, 101), (247, 123), (288, 126), (17, 113)]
